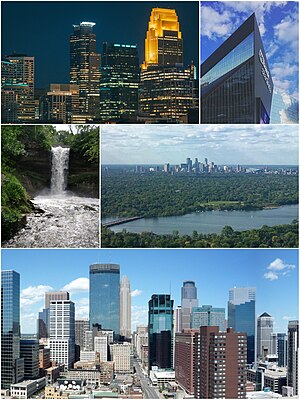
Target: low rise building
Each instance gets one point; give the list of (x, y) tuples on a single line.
[(25, 389), (161, 377)]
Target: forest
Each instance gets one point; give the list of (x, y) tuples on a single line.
[(26, 166), (126, 194), (275, 236)]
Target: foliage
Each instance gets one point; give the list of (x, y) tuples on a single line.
[(125, 194), (86, 142), (274, 236)]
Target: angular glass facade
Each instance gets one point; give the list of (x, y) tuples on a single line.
[(10, 327), (208, 316), (285, 109), (236, 84), (119, 82), (105, 296), (160, 331)]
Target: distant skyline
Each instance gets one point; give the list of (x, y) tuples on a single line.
[(46, 30), (274, 273), (224, 144), (278, 24)]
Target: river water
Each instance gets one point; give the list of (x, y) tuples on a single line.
[(211, 221), (60, 219)]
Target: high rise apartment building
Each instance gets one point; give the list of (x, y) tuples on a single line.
[(220, 364), (85, 68), (105, 296), (242, 316)]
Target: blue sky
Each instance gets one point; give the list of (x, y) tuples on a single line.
[(273, 272), (224, 144), (278, 24)]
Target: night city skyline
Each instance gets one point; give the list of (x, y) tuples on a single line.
[(57, 20)]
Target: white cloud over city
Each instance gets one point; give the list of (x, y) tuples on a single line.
[(278, 268)]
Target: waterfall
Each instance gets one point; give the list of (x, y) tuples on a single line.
[(60, 167)]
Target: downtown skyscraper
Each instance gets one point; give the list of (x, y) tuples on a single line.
[(264, 331), (242, 316), (85, 68), (105, 296), (125, 307), (167, 89), (188, 302)]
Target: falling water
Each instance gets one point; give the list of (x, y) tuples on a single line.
[(60, 167)]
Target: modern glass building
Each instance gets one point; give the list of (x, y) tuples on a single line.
[(208, 316), (242, 317), (119, 82), (236, 84), (188, 302), (105, 296), (85, 68), (285, 109), (12, 367), (264, 331), (282, 349), (293, 356), (160, 331)]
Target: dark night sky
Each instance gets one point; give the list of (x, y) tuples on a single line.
[(42, 29)]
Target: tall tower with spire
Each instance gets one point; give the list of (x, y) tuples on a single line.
[(125, 307)]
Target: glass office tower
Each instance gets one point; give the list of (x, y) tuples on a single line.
[(160, 331), (285, 108), (105, 296), (12, 370), (242, 317), (236, 84), (119, 82), (188, 302)]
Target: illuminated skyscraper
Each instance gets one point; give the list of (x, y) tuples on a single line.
[(125, 307), (119, 82), (168, 89), (85, 68)]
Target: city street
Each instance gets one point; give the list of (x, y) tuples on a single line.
[(149, 392)]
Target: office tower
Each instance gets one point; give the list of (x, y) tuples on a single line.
[(52, 296), (293, 351), (119, 82), (141, 339), (60, 104), (188, 299), (120, 355), (177, 320), (220, 364), (208, 316), (160, 331), (81, 326), (241, 317), (282, 349), (167, 90), (125, 307), (184, 363), (264, 330), (44, 357), (236, 84), (23, 71), (12, 366), (101, 347), (62, 332), (85, 68), (105, 296), (284, 109), (29, 350), (43, 323)]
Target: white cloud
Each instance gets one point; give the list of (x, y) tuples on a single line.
[(136, 292), (82, 308), (77, 285), (215, 24), (278, 268), (33, 294), (287, 318), (139, 315)]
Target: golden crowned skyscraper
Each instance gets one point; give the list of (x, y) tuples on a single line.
[(168, 90), (85, 68)]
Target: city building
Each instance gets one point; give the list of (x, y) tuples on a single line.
[(292, 355), (188, 302), (236, 83), (85, 68), (184, 363), (267, 377), (208, 315), (125, 307), (141, 339), (81, 326), (52, 296), (160, 331), (220, 364), (285, 108), (62, 332), (26, 389), (60, 104), (29, 350), (282, 349), (105, 296), (44, 357), (89, 355), (264, 330), (119, 82), (12, 366), (101, 347), (121, 356), (43, 323), (242, 317), (167, 88)]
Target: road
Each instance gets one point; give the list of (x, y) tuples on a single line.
[(149, 392)]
